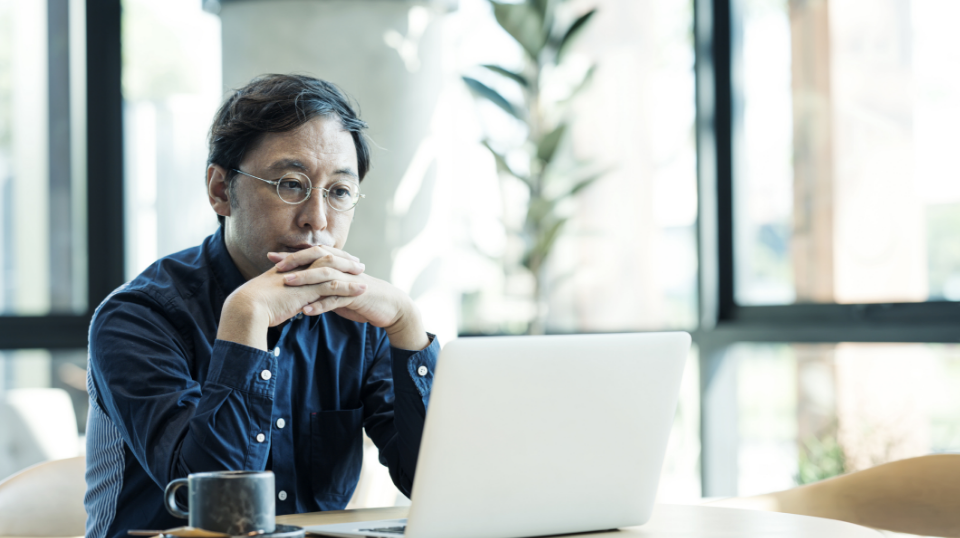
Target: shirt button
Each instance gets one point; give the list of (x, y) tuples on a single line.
[(261, 437), (276, 352), (299, 315), (281, 423), (422, 371), (266, 375), (282, 495)]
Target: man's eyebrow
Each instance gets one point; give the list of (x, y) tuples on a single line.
[(346, 172), (287, 164)]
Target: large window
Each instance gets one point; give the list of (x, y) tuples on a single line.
[(846, 186), (829, 210), (61, 247), (171, 90), (809, 412), (42, 142)]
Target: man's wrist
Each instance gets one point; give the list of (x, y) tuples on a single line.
[(408, 331), (243, 322)]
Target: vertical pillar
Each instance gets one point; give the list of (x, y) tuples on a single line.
[(719, 433), (813, 230), (719, 426), (104, 149), (58, 68)]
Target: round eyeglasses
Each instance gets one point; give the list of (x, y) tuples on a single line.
[(294, 188)]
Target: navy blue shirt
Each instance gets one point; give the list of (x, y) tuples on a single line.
[(168, 399)]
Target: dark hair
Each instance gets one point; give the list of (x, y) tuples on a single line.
[(277, 104)]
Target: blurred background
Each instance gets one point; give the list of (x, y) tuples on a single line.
[(777, 177)]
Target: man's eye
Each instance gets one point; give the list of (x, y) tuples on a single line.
[(342, 191), (290, 184)]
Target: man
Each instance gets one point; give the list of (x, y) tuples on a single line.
[(267, 346)]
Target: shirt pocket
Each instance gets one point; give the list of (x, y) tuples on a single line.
[(336, 451)]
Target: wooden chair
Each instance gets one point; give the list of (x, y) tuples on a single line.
[(45, 500), (916, 496)]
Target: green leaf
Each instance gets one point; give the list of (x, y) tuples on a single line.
[(548, 144), (587, 77), (524, 23), (573, 29), (538, 209), (516, 77), (543, 245), (489, 93), (542, 6), (582, 184), (503, 166)]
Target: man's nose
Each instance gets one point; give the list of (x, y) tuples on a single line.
[(313, 213)]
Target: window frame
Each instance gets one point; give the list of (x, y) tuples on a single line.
[(104, 190), (722, 321)]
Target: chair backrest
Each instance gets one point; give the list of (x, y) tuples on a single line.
[(38, 425), (45, 500), (916, 496)]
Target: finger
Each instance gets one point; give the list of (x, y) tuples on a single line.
[(276, 257), (301, 258), (323, 268), (326, 304), (339, 288), (309, 256), (342, 253)]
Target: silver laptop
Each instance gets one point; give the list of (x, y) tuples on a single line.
[(540, 435)]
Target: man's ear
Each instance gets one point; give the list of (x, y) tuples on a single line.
[(218, 192)]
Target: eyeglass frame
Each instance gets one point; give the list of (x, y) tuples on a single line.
[(310, 188)]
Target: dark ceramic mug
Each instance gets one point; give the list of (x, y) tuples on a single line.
[(234, 502)]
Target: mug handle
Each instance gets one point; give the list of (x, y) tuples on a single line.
[(170, 499)]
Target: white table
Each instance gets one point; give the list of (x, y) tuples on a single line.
[(668, 521)]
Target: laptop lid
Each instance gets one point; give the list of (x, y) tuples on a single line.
[(539, 435)]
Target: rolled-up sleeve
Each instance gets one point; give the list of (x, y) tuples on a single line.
[(174, 425), (396, 396)]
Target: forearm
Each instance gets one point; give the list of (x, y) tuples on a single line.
[(396, 424), (408, 332), (173, 418), (242, 322)]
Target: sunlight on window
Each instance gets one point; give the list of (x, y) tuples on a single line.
[(846, 186), (171, 89)]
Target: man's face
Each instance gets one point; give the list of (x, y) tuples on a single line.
[(259, 222)]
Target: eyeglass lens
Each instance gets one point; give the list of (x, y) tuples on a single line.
[(341, 196)]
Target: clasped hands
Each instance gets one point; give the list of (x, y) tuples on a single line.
[(314, 281)]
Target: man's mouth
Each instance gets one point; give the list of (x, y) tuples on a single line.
[(298, 247)]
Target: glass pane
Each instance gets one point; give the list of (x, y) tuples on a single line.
[(42, 158), (43, 406), (809, 412), (680, 477), (171, 90), (846, 188), (626, 259)]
